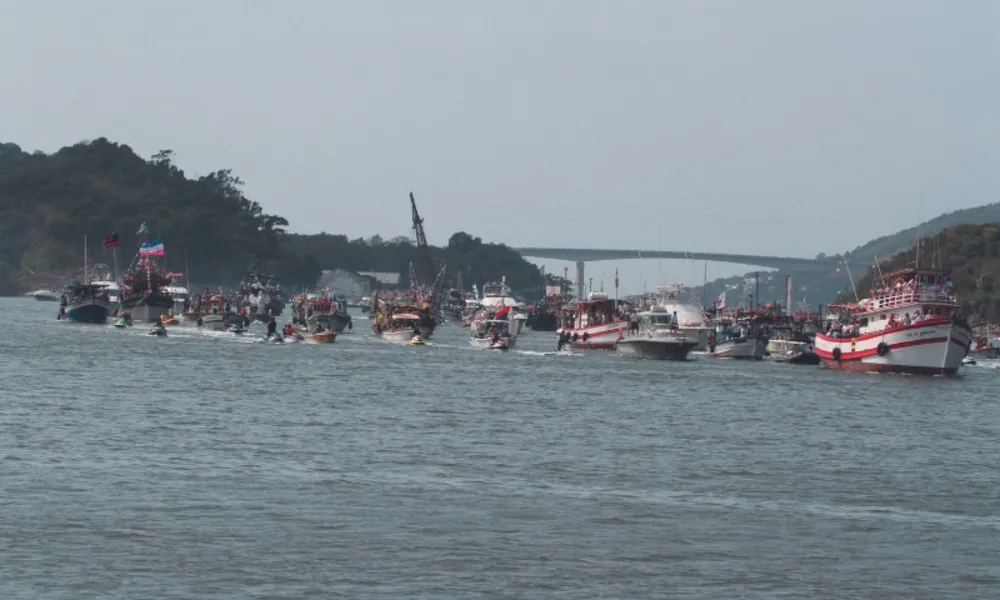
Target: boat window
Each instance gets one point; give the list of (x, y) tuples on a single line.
[(864, 322)]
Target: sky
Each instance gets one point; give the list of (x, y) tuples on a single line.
[(775, 127)]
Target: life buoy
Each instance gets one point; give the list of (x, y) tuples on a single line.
[(882, 349), (576, 336), (836, 354), (586, 336)]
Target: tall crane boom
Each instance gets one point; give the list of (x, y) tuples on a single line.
[(425, 265)]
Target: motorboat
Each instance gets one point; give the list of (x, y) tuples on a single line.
[(656, 336)]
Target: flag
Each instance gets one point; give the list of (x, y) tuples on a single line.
[(721, 302), (111, 241), (616, 279), (144, 228), (154, 248)]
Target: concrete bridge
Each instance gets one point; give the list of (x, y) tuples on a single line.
[(784, 264)]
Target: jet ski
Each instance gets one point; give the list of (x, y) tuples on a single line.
[(968, 360), (121, 323), (416, 341), (158, 330)]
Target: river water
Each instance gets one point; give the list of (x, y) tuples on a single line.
[(210, 466)]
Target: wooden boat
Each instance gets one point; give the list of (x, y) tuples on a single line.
[(327, 337)]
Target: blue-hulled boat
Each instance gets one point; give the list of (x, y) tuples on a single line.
[(85, 303)]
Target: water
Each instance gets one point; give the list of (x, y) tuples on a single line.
[(210, 466)]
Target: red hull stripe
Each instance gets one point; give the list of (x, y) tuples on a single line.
[(872, 352), (877, 334)]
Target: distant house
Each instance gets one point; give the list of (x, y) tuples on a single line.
[(356, 285)]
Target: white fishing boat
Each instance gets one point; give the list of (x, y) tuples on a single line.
[(593, 324), (911, 323)]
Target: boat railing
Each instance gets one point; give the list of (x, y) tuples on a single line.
[(897, 298)]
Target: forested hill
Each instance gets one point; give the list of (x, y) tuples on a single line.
[(901, 240), (970, 252), (49, 202)]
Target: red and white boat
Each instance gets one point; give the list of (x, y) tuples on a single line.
[(594, 323), (912, 323)]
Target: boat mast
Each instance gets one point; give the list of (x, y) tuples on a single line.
[(85, 280), (425, 265), (187, 272)]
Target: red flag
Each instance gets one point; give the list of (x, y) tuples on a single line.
[(111, 241)]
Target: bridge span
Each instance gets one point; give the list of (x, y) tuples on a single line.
[(787, 264)]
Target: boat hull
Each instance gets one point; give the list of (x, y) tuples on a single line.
[(749, 348), (336, 322), (148, 308), (402, 336), (652, 349), (931, 348), (45, 296), (487, 344), (543, 322), (321, 338), (598, 337), (91, 311)]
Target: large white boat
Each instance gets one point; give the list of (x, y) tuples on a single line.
[(912, 323), (593, 324), (498, 333), (689, 318)]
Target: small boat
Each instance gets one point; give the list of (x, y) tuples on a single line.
[(416, 341), (45, 296), (968, 361), (401, 327), (326, 337)]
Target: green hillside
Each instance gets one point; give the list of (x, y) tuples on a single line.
[(49, 202), (970, 252)]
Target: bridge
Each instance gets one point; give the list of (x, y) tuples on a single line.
[(782, 263)]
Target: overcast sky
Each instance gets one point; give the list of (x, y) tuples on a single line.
[(774, 127)]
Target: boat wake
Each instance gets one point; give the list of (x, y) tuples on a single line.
[(551, 353)]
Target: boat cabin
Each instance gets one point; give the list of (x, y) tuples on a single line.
[(596, 310), (76, 292)]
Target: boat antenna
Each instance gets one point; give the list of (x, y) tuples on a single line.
[(704, 286), (878, 269), (849, 276), (85, 279)]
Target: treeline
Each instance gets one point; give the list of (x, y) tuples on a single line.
[(467, 259), (49, 202)]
